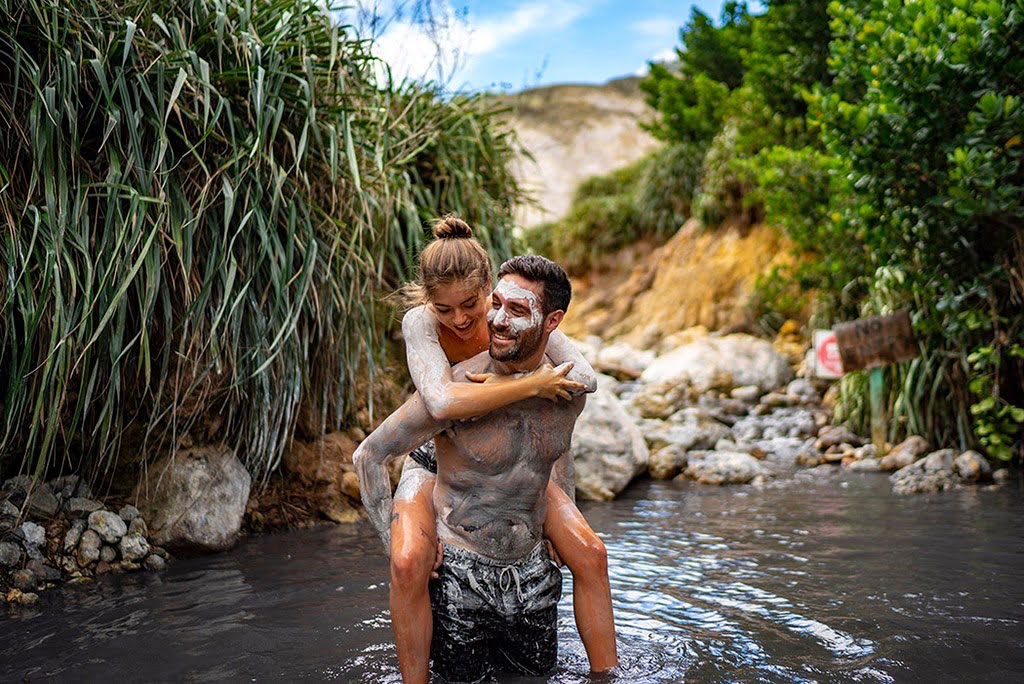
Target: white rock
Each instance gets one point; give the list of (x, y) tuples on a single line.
[(134, 547), (620, 357), (607, 446), (722, 363), (724, 467), (33, 534), (668, 462), (972, 467), (196, 499)]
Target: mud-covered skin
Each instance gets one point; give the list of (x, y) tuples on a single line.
[(492, 472)]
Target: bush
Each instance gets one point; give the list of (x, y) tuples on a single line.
[(204, 199)]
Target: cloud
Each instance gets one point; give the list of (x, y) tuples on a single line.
[(437, 50), (666, 55), (656, 29)]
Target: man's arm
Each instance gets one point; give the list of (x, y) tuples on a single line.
[(404, 430), (563, 472)]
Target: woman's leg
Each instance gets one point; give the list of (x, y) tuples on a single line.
[(583, 551), (413, 548)]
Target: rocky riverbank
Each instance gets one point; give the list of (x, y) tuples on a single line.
[(55, 532), (729, 410)]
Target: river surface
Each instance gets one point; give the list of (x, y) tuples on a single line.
[(832, 580)]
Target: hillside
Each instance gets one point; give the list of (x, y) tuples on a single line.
[(573, 132)]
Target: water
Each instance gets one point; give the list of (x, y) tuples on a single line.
[(806, 580)]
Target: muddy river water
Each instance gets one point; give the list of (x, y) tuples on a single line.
[(827, 579)]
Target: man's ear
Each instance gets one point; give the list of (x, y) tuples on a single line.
[(552, 320)]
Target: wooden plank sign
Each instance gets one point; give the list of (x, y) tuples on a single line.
[(876, 341), (826, 361)]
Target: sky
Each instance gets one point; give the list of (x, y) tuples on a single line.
[(509, 45)]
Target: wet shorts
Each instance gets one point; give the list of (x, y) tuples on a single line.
[(426, 456), (491, 615)]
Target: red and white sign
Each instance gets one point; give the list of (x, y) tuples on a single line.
[(827, 362)]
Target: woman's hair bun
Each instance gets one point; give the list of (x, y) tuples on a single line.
[(452, 226)]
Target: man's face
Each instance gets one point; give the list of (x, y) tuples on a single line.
[(516, 318)]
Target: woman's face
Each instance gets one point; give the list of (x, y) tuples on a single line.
[(460, 308)]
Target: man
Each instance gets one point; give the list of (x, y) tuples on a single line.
[(496, 595)]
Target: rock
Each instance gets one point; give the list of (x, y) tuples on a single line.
[(74, 535), (89, 548), (721, 363), (1001, 475), (747, 393), (18, 597), (138, 526), (972, 467), (9, 510), (41, 502), (607, 446), (667, 462), (830, 435), (65, 486), (621, 360), (195, 498), (103, 567), (775, 399), (350, 486), (809, 456), (43, 571), (803, 388), (19, 483), (33, 534), (905, 453), (108, 525), (934, 473), (79, 505), (24, 579), (128, 513), (134, 547), (10, 554), (726, 444), (337, 508), (660, 400), (108, 554), (154, 562), (866, 465), (724, 467), (868, 451), (783, 451)]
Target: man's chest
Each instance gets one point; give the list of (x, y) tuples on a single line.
[(535, 430)]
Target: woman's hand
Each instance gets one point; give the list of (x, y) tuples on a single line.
[(548, 382)]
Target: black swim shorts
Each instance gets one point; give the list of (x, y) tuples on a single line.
[(492, 615), (426, 456)]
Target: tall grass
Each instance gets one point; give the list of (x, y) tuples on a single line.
[(200, 203)]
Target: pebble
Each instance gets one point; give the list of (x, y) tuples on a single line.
[(138, 526), (89, 548), (108, 554), (128, 513), (155, 562), (74, 535), (33, 534), (10, 554), (24, 579), (747, 393)]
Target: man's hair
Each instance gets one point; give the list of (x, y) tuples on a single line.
[(557, 289)]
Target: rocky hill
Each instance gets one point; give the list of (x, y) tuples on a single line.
[(573, 132)]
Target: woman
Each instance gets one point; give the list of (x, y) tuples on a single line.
[(448, 326)]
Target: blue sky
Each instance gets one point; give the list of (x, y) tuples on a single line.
[(514, 44)]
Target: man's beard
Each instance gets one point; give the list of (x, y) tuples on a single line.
[(526, 343)]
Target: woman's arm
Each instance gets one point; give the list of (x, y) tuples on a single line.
[(562, 350), (446, 399)]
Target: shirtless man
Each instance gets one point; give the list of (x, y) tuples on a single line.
[(496, 595)]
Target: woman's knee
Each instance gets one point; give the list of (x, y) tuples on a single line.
[(412, 561), (591, 559)]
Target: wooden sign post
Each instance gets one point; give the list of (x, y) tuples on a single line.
[(873, 343)]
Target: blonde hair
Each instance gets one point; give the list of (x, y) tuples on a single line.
[(454, 255)]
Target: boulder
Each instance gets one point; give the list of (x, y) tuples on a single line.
[(667, 462), (108, 525), (784, 451), (972, 467), (196, 498), (905, 453), (689, 429), (934, 473), (721, 363), (607, 446), (622, 360), (724, 467), (660, 400)]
